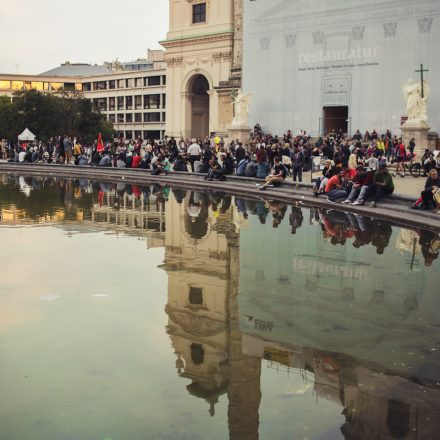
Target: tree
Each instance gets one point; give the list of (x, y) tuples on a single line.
[(49, 115)]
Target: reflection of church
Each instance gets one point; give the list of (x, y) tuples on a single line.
[(201, 258), (202, 262)]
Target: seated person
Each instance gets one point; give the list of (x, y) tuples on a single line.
[(105, 160), (180, 164), (158, 167), (263, 170), (251, 169), (333, 188), (228, 163), (382, 185), (241, 167), (136, 160), (277, 176), (432, 185), (361, 181), (215, 171), (83, 160), (327, 172)]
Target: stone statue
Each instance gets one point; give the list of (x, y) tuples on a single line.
[(241, 106), (416, 106)]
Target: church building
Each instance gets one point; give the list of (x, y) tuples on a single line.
[(339, 64), (203, 55)]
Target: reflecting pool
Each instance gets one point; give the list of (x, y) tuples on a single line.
[(133, 313)]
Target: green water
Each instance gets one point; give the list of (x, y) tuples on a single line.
[(150, 313)]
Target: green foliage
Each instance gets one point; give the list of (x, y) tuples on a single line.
[(49, 115)]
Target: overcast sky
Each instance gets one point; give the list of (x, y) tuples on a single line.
[(41, 34)]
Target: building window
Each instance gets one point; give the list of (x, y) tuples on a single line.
[(120, 118), (69, 87), (112, 118), (129, 102), (111, 103), (112, 84), (196, 295), (137, 134), (138, 102), (129, 118), (151, 101), (5, 85), (199, 13), (36, 85), (138, 117), (164, 100), (54, 86), (120, 102), (129, 82), (164, 79), (87, 87), (197, 354), (78, 87), (151, 117), (152, 81), (121, 83), (138, 82)]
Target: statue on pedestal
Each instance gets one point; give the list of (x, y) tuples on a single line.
[(241, 107), (416, 95)]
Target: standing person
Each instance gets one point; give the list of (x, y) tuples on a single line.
[(194, 153), (297, 158), (382, 185), (277, 176), (67, 149), (400, 158)]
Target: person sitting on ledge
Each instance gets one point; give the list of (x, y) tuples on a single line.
[(432, 185), (105, 160), (180, 164), (382, 185), (215, 171), (333, 188), (361, 181), (277, 176)]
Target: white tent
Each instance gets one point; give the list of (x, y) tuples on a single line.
[(27, 135)]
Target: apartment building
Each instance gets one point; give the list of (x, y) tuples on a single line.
[(131, 95)]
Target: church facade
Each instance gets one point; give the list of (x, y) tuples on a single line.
[(203, 55), (339, 64)]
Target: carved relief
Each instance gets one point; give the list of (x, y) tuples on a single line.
[(217, 57), (390, 29), (174, 62), (318, 37), (290, 40), (358, 33), (265, 43), (425, 25)]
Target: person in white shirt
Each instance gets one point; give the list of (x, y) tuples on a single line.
[(194, 152), (21, 156)]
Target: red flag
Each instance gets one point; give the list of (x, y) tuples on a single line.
[(100, 146)]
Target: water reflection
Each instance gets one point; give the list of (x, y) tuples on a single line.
[(345, 302)]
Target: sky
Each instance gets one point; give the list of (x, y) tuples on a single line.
[(38, 35)]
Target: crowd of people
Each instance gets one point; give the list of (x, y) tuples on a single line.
[(352, 169)]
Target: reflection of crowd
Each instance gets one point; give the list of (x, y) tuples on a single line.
[(337, 227)]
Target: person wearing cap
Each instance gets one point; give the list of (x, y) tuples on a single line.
[(382, 185)]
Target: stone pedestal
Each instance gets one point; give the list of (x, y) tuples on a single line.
[(242, 133), (419, 131)]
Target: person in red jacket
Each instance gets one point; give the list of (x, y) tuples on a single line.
[(361, 180), (136, 161)]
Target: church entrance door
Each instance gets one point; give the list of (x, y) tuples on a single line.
[(198, 87), (335, 118)]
